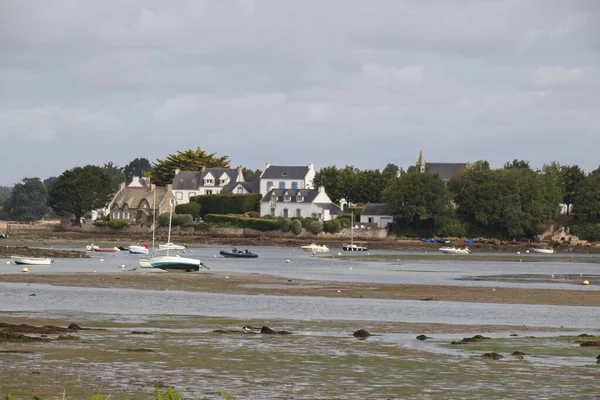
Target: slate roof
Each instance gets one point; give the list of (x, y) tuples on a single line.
[(132, 196), (374, 209), (334, 209), (285, 172), (307, 194), (445, 170), (251, 187), (192, 180)]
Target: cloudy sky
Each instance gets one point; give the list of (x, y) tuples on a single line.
[(292, 82)]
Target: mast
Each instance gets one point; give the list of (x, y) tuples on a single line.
[(170, 219), (153, 217), (352, 229)]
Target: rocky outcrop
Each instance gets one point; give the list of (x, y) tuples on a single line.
[(519, 353), (474, 339), (423, 337), (592, 343), (361, 334), (492, 356)]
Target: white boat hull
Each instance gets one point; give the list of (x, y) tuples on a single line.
[(453, 250), (19, 260), (144, 263), (315, 248), (138, 250), (544, 251), (353, 247), (170, 263), (171, 246)]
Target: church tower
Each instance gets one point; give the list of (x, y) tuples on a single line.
[(421, 163)]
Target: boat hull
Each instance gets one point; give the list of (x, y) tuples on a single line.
[(448, 250), (229, 254), (171, 246), (315, 248), (353, 247), (31, 260), (138, 250), (544, 251), (174, 263)]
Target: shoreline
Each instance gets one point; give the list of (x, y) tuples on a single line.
[(258, 284)]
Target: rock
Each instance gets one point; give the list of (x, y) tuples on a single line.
[(591, 344), (519, 353), (585, 335), (361, 334), (513, 334), (74, 327), (67, 337), (493, 356), (265, 330), (19, 337), (32, 294), (423, 337), (473, 339), (598, 358), (428, 299), (141, 333), (140, 350)]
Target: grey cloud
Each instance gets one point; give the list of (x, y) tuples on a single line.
[(339, 81)]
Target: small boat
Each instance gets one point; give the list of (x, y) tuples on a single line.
[(92, 247), (235, 253), (135, 249), (315, 248), (443, 241), (144, 263), (171, 246), (123, 248), (544, 251), (20, 260), (352, 246), (454, 250)]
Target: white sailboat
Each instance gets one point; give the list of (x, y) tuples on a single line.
[(21, 260), (168, 262), (455, 250), (352, 246)]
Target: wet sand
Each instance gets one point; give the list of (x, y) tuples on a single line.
[(257, 284)]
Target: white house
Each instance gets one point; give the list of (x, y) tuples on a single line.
[(301, 203), (376, 213), (187, 184), (286, 177)]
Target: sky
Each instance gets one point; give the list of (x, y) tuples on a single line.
[(332, 82)]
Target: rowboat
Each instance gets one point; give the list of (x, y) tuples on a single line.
[(20, 260), (544, 251)]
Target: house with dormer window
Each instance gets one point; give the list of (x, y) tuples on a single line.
[(187, 184), (286, 177), (301, 203)]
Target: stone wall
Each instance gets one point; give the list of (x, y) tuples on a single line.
[(15, 228), (3, 226)]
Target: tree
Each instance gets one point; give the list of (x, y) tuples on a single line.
[(414, 198), (251, 176), (28, 200), (586, 199), (48, 181), (570, 178), (390, 170), (136, 167), (116, 175), (163, 171), (352, 184), (517, 164), (79, 190)]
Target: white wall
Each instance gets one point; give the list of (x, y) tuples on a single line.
[(380, 220), (306, 210)]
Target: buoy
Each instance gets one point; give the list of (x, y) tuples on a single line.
[(339, 253), (25, 270), (287, 261), (339, 291), (226, 277), (102, 260), (527, 252), (114, 255), (586, 282), (518, 253), (350, 267), (8, 262), (215, 256)]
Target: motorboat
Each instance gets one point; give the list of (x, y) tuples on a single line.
[(353, 246), (315, 248), (101, 249), (455, 250), (235, 253), (544, 251), (21, 260), (135, 249), (172, 246)]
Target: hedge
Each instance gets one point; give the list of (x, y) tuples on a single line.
[(177, 220), (114, 223), (332, 226), (286, 225), (242, 221), (198, 226), (189, 208), (315, 227), (227, 203), (296, 227), (587, 231)]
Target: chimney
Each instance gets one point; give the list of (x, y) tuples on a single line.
[(342, 204), (177, 171), (240, 174), (152, 187), (321, 189), (267, 165), (203, 168), (169, 187), (311, 166)]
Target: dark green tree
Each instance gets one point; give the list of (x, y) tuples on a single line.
[(48, 181), (571, 177), (163, 171), (415, 198), (390, 170), (136, 167), (251, 176), (586, 199), (517, 164), (116, 175), (28, 200), (79, 190)]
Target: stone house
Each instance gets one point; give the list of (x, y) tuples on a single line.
[(139, 199)]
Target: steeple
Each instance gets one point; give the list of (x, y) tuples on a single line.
[(421, 163)]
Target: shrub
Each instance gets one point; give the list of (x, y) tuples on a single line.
[(169, 394), (286, 225), (198, 226), (253, 214), (452, 227), (296, 227), (114, 224), (307, 221), (315, 227), (227, 203), (345, 220), (332, 226), (589, 231), (177, 220), (189, 208)]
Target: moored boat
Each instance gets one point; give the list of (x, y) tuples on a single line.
[(101, 249), (172, 246), (235, 253), (353, 246), (454, 250), (544, 251), (315, 248), (135, 249), (174, 263), (22, 260)]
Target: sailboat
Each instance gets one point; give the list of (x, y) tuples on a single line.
[(352, 246), (173, 263)]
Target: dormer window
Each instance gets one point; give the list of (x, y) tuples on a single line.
[(208, 182), (299, 198), (287, 197)]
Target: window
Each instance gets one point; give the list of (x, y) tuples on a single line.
[(223, 182), (370, 220), (269, 186), (281, 185), (287, 197), (240, 190), (115, 215), (179, 195), (209, 192), (272, 211), (285, 213), (191, 194), (299, 198), (126, 215), (295, 185), (208, 182), (298, 213)]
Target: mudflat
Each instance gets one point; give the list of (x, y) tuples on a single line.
[(257, 284)]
